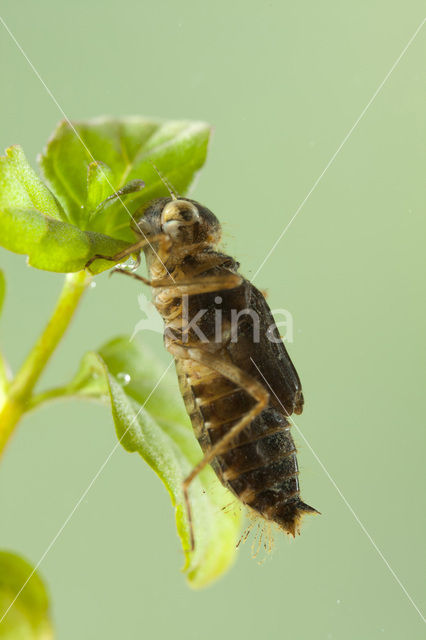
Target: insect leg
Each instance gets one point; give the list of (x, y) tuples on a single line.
[(125, 252), (205, 285), (118, 256), (136, 276), (188, 287), (241, 379), (194, 286)]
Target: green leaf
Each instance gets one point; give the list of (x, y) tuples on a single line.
[(20, 187), (128, 146), (134, 186), (155, 425), (33, 223), (96, 170), (51, 244), (28, 618), (99, 177), (107, 216)]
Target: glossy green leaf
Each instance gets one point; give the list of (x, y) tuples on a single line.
[(128, 146), (151, 420), (28, 617), (51, 244)]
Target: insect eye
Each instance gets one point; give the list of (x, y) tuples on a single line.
[(186, 214), (142, 226), (180, 211)]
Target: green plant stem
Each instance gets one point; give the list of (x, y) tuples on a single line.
[(21, 387), (46, 396)]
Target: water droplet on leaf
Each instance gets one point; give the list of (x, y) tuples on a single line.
[(123, 378)]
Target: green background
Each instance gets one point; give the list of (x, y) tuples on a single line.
[(282, 83)]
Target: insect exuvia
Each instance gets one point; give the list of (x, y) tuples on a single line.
[(239, 385)]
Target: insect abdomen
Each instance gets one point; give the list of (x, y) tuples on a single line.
[(260, 466)]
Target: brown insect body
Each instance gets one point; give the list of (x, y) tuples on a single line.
[(225, 381)]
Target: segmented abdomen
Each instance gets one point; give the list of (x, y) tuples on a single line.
[(260, 466)]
